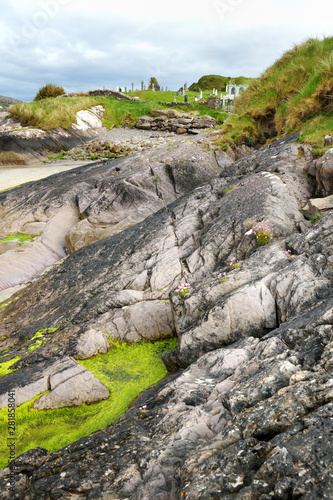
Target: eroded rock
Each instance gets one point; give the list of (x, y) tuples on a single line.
[(248, 412)]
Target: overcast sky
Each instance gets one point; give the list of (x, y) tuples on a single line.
[(89, 44)]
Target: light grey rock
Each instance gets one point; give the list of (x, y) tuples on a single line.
[(318, 205), (73, 388), (70, 384)]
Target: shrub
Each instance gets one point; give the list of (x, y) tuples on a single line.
[(315, 218), (49, 90), (263, 233), (250, 141)]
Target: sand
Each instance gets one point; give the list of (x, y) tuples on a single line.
[(13, 176)]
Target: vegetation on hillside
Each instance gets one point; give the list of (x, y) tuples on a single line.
[(153, 82), (49, 90), (294, 94), (218, 82), (51, 113)]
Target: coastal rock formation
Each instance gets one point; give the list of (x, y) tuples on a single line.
[(70, 210), (32, 143), (247, 412)]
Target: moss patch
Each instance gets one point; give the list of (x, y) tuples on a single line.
[(126, 370), (21, 238)]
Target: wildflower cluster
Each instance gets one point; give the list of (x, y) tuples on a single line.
[(288, 253), (143, 409), (183, 289), (222, 277), (263, 233), (235, 263)]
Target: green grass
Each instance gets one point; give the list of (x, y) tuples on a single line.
[(218, 82), (126, 370), (294, 94), (52, 113), (169, 96)]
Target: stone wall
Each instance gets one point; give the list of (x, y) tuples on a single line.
[(173, 121)]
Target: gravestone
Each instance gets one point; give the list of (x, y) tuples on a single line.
[(213, 102)]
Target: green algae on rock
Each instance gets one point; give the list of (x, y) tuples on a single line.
[(126, 370)]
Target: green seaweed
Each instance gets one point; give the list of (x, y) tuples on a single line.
[(126, 370), (21, 238), (5, 366)]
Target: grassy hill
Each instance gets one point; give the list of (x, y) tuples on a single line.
[(294, 94), (5, 102), (209, 82)]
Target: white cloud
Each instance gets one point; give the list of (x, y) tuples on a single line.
[(83, 45)]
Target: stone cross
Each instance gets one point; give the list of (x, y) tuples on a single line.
[(142, 85)]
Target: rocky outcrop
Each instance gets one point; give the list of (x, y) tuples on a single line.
[(34, 144), (173, 121), (248, 411), (70, 210)]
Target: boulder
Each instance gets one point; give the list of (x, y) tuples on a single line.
[(324, 174), (318, 205), (69, 383), (74, 388)]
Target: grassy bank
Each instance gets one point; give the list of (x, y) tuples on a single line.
[(53, 113), (126, 370), (294, 94)]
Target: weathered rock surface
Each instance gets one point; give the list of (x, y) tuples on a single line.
[(248, 412), (73, 209)]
